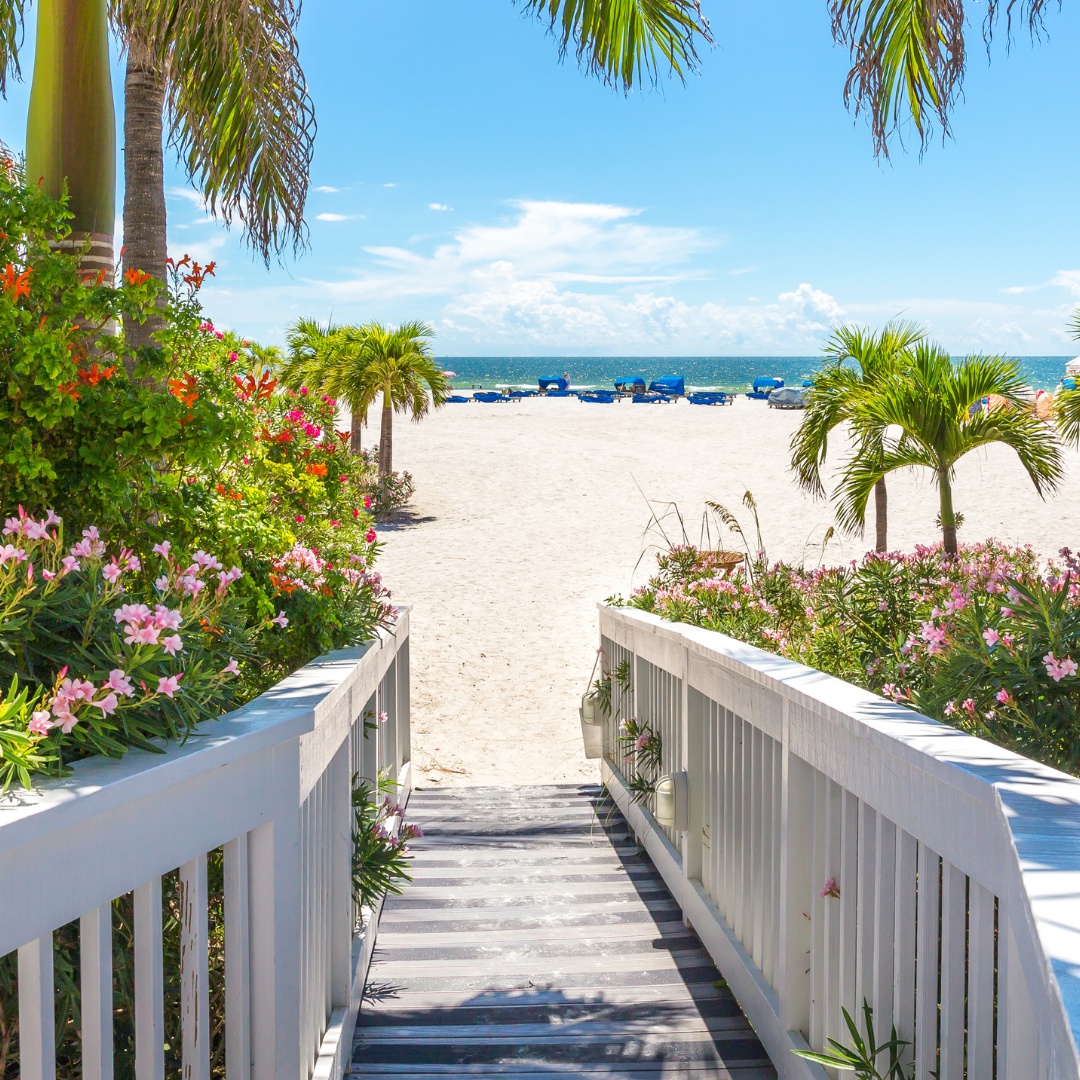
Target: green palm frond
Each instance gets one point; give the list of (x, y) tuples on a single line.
[(11, 39), (626, 42), (240, 115), (1067, 414), (908, 58)]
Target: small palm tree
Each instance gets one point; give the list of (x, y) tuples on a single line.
[(360, 363), (929, 403), (1067, 402), (836, 387)]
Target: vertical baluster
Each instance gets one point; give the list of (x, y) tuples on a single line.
[(194, 970), (149, 984), (96, 990), (980, 1018), (768, 855), (752, 931), (864, 911), (848, 882), (926, 959), (37, 1020), (727, 795), (796, 884), (737, 779), (819, 874), (953, 947), (746, 841), (904, 963), (404, 705), (778, 896), (884, 924), (831, 982), (237, 962)]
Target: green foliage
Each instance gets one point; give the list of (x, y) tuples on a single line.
[(380, 860), (862, 1056), (641, 750)]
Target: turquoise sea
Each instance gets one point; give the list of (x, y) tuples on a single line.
[(712, 372)]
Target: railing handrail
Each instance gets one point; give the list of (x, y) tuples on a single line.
[(1030, 812)]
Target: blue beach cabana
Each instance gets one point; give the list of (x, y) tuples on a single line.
[(634, 385), (669, 384), (553, 383), (763, 387)]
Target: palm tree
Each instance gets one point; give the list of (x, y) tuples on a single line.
[(396, 364), (315, 352), (929, 402), (908, 58), (227, 72), (833, 393)]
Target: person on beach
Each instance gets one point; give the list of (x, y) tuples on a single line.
[(566, 376)]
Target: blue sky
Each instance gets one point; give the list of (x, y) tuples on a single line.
[(463, 176)]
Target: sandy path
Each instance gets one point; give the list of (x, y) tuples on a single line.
[(527, 514)]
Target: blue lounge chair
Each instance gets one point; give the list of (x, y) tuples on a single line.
[(710, 398), (672, 385), (633, 385), (763, 387), (650, 399), (1068, 383), (599, 397), (457, 399), (560, 393), (523, 393), (553, 382), (489, 396)]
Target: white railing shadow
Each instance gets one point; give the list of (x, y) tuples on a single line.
[(272, 784), (955, 865)]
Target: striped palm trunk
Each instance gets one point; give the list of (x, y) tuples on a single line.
[(71, 128)]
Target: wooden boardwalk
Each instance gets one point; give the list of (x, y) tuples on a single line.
[(536, 940)]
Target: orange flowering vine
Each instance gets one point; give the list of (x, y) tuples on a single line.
[(15, 283), (184, 390), (316, 470), (136, 277), (95, 374)]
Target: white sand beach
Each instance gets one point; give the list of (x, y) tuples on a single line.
[(526, 515)]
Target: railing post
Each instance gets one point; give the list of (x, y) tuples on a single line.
[(275, 875), (341, 877), (795, 844), (194, 970), (694, 756), (404, 726), (37, 1039), (149, 984), (237, 961), (96, 987)]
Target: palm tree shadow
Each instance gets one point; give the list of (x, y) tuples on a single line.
[(405, 517)]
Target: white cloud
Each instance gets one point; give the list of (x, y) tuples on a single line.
[(327, 190), (389, 185), (337, 217), (438, 206)]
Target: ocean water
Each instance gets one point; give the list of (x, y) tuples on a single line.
[(704, 372)]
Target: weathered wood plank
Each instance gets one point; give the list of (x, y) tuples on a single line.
[(537, 940)]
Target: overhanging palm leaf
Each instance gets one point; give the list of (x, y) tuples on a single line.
[(241, 118), (908, 58), (1067, 413), (625, 42)]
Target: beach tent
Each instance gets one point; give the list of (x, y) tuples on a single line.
[(786, 397), (554, 383), (633, 385), (763, 387), (669, 384)]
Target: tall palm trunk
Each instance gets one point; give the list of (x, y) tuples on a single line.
[(354, 442), (386, 434), (881, 515), (948, 516), (144, 185), (71, 127)]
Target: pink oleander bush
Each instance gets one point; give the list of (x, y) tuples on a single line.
[(987, 640)]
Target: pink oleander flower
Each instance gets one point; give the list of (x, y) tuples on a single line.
[(230, 668), (205, 561), (1007, 640), (1059, 669), (1004, 697), (162, 549), (281, 619), (969, 706), (950, 708), (70, 564), (1006, 613), (299, 519), (111, 572), (131, 613), (296, 415), (40, 722), (166, 618), (134, 562), (107, 704), (162, 583), (9, 552), (119, 681), (643, 740), (141, 635), (169, 685), (831, 889), (192, 585), (369, 536), (991, 637), (172, 644), (367, 502), (48, 575)]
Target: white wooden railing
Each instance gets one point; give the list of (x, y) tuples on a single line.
[(271, 783), (956, 863)]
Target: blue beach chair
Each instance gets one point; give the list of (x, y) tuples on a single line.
[(650, 399)]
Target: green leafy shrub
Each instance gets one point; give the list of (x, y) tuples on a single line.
[(380, 860)]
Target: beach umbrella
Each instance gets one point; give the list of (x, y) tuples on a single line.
[(450, 374)]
